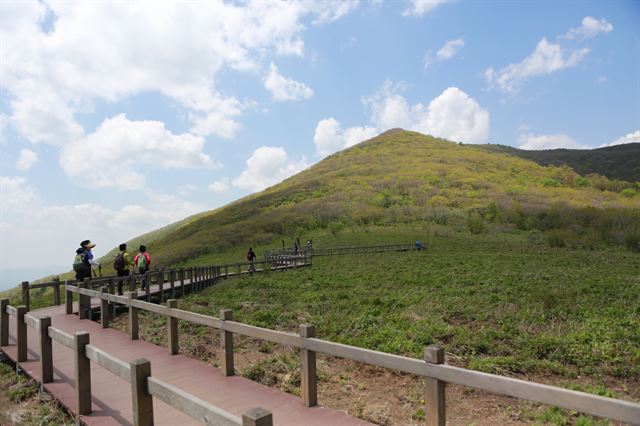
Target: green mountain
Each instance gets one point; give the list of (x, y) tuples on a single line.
[(615, 162), (406, 177)]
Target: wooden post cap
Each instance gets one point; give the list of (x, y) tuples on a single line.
[(434, 354), (226, 314), (257, 417), (307, 330)]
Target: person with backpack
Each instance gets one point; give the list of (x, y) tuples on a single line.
[(122, 261), (142, 262), (84, 260), (250, 257)]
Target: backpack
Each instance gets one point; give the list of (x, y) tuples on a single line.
[(78, 262), (142, 262), (118, 262)]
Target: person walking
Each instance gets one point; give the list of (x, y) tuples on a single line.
[(87, 245), (142, 263), (250, 257), (122, 265)]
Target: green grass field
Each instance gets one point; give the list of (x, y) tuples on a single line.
[(501, 303)]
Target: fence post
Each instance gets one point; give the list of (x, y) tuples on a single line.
[(133, 317), (147, 285), (226, 271), (68, 299), (172, 278), (25, 294), (132, 281), (21, 333), (257, 417), (142, 400), (104, 309), (83, 372), (181, 272), (46, 350), (172, 326), (226, 344), (161, 285), (4, 322), (56, 291), (82, 300), (434, 389), (308, 378)]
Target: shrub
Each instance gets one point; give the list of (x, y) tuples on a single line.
[(628, 192), (335, 227), (556, 239), (632, 241), (475, 224), (550, 182)]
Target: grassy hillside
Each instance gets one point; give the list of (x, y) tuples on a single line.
[(620, 162), (407, 177)]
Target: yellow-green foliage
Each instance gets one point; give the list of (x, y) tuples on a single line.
[(397, 177)]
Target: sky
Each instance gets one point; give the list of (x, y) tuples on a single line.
[(118, 118)]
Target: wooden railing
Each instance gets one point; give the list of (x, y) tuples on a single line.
[(328, 251), (137, 372), (432, 367), (196, 278)]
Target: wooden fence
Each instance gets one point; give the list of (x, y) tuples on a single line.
[(328, 251), (190, 279), (436, 373), (137, 372)]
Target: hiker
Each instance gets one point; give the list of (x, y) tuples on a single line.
[(122, 265), (88, 245), (250, 256), (142, 261), (419, 245)]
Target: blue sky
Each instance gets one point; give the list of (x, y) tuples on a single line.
[(120, 118)]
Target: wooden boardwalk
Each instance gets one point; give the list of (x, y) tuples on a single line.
[(111, 396)]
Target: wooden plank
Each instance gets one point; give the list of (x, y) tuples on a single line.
[(11, 310), (263, 333), (142, 401), (61, 337), (43, 285), (46, 350), (308, 376), (109, 362), (21, 333), (435, 389), (615, 409), (191, 405), (32, 321), (226, 344), (82, 373), (4, 322)]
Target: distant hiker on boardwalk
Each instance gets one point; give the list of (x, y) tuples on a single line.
[(142, 262), (250, 257), (122, 264)]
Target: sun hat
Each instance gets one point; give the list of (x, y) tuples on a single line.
[(87, 244)]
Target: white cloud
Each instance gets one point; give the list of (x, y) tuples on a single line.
[(628, 138), (58, 229), (329, 136), (112, 51), (26, 160), (16, 194), (446, 52), (590, 27), (450, 49), (114, 154), (545, 59), (219, 186), (537, 142), (267, 166), (452, 115), (285, 89), (421, 7)]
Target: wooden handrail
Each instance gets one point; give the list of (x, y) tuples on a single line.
[(587, 403)]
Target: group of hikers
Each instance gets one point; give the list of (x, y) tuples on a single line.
[(83, 262)]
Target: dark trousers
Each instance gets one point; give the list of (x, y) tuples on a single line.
[(123, 273)]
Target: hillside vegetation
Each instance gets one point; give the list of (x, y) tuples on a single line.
[(407, 177), (619, 162)]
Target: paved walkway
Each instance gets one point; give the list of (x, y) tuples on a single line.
[(111, 396)]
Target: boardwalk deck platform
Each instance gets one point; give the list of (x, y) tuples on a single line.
[(111, 396)]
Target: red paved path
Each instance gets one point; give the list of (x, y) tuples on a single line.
[(111, 396)]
